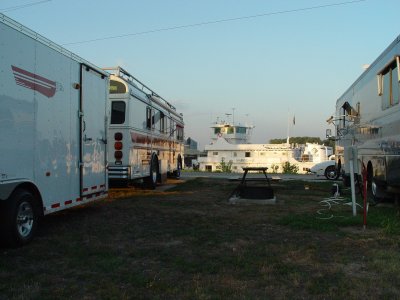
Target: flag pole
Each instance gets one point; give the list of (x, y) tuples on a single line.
[(288, 126)]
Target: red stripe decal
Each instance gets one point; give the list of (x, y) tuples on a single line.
[(55, 205), (94, 187), (78, 199), (68, 202), (34, 82), (85, 189)]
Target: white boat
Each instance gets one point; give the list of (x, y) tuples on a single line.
[(230, 146)]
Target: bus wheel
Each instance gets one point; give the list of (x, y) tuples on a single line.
[(151, 181), (21, 218)]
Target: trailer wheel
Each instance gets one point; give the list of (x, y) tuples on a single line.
[(331, 173), (21, 218), (151, 180)]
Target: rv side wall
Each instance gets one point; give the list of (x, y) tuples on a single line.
[(371, 127)]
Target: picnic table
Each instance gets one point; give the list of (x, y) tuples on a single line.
[(255, 192), (254, 169)]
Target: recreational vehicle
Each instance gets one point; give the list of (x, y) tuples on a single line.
[(145, 132), (52, 130), (367, 126)]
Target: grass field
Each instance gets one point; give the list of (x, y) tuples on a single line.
[(188, 242)]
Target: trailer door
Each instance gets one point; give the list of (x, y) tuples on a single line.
[(94, 91)]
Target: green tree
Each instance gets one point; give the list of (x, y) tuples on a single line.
[(330, 143), (297, 140)]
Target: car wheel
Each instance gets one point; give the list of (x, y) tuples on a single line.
[(331, 173)]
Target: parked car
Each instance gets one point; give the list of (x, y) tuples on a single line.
[(326, 168)]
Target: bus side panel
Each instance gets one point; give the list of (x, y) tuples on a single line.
[(140, 139)]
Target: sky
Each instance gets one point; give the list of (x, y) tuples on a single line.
[(264, 62)]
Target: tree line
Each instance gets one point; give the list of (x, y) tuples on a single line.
[(303, 140)]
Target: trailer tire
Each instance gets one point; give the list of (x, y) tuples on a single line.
[(21, 217), (151, 180), (331, 173)]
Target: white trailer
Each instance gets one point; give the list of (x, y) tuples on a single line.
[(367, 126), (145, 132), (52, 130)]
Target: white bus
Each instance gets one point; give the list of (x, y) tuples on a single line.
[(368, 125), (52, 130), (145, 132)]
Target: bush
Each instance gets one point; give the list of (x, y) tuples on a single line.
[(289, 168), (225, 167), (274, 168)]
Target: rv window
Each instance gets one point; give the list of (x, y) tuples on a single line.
[(247, 154), (117, 87), (162, 122), (118, 112), (148, 117), (230, 130), (390, 92), (388, 85), (217, 130)]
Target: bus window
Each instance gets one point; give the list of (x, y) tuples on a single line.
[(179, 134), (162, 122), (118, 112), (117, 87), (172, 128)]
